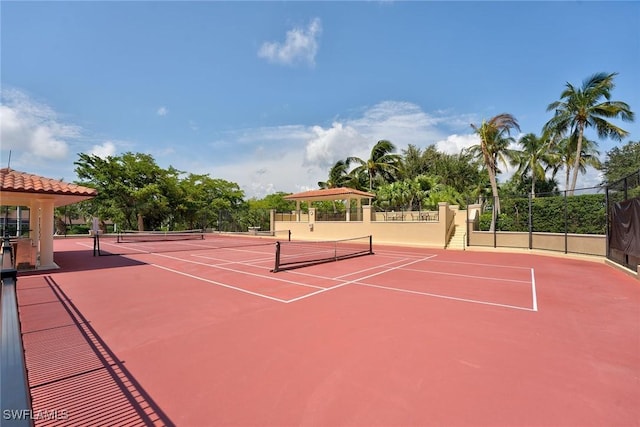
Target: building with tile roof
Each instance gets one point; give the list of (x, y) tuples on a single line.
[(41, 195)]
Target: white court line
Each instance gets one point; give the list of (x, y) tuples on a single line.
[(340, 278), (219, 283), (515, 307), (271, 277), (484, 265), (469, 276), (227, 262), (533, 291), (355, 280)]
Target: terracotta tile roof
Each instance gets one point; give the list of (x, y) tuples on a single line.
[(341, 192), (16, 181)]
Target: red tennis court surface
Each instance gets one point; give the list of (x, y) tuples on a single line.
[(204, 336)]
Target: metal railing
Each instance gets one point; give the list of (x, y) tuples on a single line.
[(14, 389)]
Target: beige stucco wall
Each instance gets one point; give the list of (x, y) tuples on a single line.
[(576, 243), (413, 233)]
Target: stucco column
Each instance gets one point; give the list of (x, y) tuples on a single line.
[(312, 218), (348, 206), (366, 214), (46, 234), (34, 222), (272, 220)]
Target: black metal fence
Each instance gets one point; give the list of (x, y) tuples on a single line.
[(241, 220), (617, 193), (546, 221), (14, 392)]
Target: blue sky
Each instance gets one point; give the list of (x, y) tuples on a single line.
[(271, 94)]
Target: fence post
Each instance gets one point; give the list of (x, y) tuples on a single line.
[(495, 223), (530, 221), (566, 224), (607, 225)]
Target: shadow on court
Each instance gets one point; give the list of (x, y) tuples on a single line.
[(74, 377)]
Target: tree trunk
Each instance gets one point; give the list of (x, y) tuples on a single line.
[(533, 185), (576, 163), (140, 222), (496, 198)]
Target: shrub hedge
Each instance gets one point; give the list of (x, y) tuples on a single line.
[(585, 214)]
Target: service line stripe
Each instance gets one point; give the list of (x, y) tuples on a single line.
[(226, 261), (357, 280), (270, 277), (514, 307), (481, 264), (494, 279), (372, 268), (224, 285), (533, 291)]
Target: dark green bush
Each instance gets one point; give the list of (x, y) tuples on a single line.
[(585, 214)]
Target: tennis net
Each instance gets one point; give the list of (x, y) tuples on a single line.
[(296, 254), (130, 236)]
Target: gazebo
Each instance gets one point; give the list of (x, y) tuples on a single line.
[(41, 195), (340, 193)]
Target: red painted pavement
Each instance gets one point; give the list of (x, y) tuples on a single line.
[(403, 337)]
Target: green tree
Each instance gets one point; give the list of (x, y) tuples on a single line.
[(565, 151), (495, 137), (338, 176), (273, 201), (621, 162), (588, 106), (412, 162), (382, 163), (135, 192), (534, 158)]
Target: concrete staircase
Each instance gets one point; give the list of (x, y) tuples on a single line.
[(458, 239)]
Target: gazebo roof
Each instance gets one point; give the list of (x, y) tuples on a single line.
[(341, 193), (18, 188)]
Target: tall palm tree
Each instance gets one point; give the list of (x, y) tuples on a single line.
[(495, 137), (534, 158), (382, 162), (583, 107), (338, 175)]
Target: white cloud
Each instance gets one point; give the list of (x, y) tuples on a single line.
[(300, 45), (327, 146), (33, 129), (104, 150), (162, 111), (295, 157), (453, 144)]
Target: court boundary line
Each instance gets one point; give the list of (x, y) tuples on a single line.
[(240, 271), (356, 281), (468, 276), (214, 282), (428, 294), (533, 290)]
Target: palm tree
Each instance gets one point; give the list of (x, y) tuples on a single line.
[(382, 162), (495, 137), (535, 158), (338, 175), (565, 151), (581, 108)]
